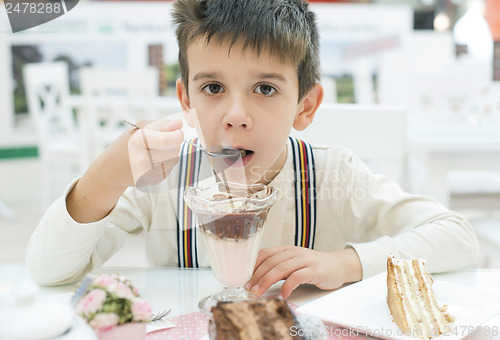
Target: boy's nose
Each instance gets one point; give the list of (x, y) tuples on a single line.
[(237, 116)]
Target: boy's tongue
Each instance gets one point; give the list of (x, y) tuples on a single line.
[(241, 160)]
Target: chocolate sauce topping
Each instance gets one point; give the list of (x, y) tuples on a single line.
[(232, 226)]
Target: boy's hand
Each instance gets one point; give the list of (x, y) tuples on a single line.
[(297, 265), (153, 150)]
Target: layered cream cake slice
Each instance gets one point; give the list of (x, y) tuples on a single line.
[(411, 299)]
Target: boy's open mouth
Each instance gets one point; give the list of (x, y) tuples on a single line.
[(240, 160)]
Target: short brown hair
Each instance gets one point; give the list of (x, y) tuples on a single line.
[(285, 28)]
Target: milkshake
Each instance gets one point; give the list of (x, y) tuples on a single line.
[(231, 219), (233, 255)]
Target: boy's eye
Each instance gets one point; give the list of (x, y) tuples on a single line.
[(265, 89), (213, 88)]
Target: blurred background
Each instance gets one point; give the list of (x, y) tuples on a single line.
[(423, 76)]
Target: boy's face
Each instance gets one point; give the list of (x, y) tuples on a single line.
[(243, 100)]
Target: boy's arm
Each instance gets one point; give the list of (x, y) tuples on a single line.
[(96, 193), (63, 246), (389, 221), (62, 250), (143, 156)]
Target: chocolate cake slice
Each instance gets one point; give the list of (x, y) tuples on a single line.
[(256, 320)]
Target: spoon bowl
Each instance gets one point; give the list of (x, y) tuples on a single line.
[(220, 151), (215, 151)]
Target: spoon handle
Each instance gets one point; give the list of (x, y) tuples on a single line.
[(87, 280), (194, 144), (211, 154), (131, 124), (138, 127), (237, 153)]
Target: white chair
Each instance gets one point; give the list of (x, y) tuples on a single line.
[(330, 89), (475, 190), (59, 144), (111, 96), (376, 133)]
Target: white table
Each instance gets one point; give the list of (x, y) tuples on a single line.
[(181, 289)]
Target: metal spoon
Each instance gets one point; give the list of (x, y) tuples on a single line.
[(82, 289), (220, 151), (216, 152), (159, 315)]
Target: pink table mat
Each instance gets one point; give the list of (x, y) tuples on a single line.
[(187, 326), (195, 326)]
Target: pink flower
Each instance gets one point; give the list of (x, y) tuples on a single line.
[(93, 301), (141, 310), (104, 322), (123, 291), (111, 289), (104, 280), (79, 309)]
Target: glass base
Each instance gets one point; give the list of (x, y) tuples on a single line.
[(227, 295)]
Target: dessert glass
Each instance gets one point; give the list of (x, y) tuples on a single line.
[(231, 218)]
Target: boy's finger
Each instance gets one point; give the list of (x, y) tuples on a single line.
[(294, 280), (271, 272), (164, 125), (274, 274), (266, 253), (162, 156), (271, 263), (161, 140), (267, 260)]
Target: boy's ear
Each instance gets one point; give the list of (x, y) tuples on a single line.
[(183, 97), (307, 107)]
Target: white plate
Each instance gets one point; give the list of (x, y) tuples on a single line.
[(362, 307)]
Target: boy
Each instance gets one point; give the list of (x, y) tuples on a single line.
[(249, 73)]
